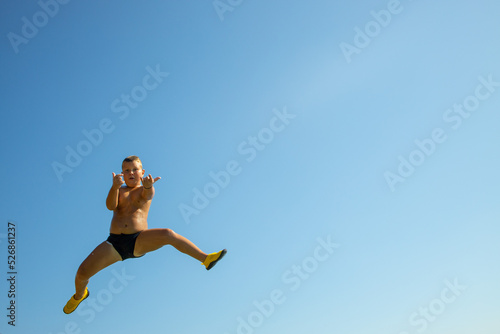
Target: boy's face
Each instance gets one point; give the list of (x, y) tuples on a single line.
[(132, 173)]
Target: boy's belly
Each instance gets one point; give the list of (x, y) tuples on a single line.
[(128, 225)]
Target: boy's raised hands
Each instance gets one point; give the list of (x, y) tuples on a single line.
[(118, 180), (148, 181)]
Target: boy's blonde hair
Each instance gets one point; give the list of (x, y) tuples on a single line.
[(132, 158)]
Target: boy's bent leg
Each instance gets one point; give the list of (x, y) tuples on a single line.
[(102, 256), (153, 239)]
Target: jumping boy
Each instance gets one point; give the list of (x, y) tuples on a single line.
[(129, 234)]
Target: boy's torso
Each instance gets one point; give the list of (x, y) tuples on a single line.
[(132, 212)]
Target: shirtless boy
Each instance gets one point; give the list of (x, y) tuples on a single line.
[(129, 234)]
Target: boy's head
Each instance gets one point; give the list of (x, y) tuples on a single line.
[(132, 158), (132, 171)]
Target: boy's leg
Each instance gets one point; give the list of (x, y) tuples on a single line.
[(102, 256), (153, 239)]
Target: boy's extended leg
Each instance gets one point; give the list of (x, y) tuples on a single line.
[(153, 239), (102, 256)]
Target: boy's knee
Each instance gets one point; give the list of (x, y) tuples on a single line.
[(169, 236), (168, 233), (82, 273)]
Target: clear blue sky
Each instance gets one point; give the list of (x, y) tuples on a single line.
[(362, 141)]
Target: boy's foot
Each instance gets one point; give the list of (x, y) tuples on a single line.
[(73, 303), (213, 258)]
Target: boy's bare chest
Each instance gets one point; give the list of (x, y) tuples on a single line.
[(130, 200)]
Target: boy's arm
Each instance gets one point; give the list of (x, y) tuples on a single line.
[(112, 199), (148, 191)]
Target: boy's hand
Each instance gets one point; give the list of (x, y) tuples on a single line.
[(148, 181), (117, 180)]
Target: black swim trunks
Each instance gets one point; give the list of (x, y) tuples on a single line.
[(124, 244)]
